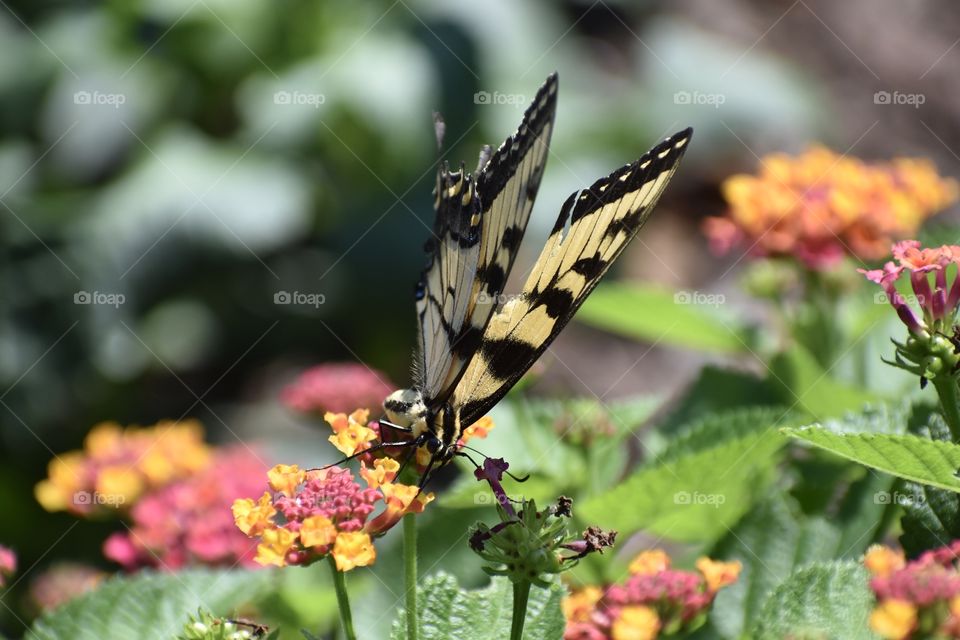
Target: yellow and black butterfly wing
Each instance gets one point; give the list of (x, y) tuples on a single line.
[(480, 223), (593, 228)]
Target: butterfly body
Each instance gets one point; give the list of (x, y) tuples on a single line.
[(474, 346)]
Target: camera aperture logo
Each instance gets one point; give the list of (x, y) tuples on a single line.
[(299, 98), (99, 297), (512, 99), (88, 499), (899, 498), (696, 498), (98, 98), (299, 298)]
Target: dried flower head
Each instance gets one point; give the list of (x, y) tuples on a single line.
[(819, 206), (117, 465)]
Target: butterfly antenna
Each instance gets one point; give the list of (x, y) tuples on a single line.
[(377, 447)]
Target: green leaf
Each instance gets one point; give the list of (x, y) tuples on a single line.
[(693, 496), (776, 538), (907, 456), (661, 316), (447, 611), (151, 605), (807, 387), (717, 428), (819, 601)]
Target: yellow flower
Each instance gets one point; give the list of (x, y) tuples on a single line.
[(120, 485), (649, 563), (353, 549), (64, 479), (893, 619), (384, 471), (398, 500), (350, 433), (317, 531), (718, 574), (254, 517), (285, 478), (104, 440), (578, 606), (636, 622), (274, 546), (881, 561)]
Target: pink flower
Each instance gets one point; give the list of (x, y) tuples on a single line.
[(61, 583), (337, 388), (190, 522), (8, 564)]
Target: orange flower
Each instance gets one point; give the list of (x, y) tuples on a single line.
[(318, 531), (353, 550), (253, 517), (578, 606), (718, 574), (285, 478), (274, 546), (819, 206), (636, 622), (350, 433), (399, 500), (650, 562), (383, 472), (894, 619), (882, 561)]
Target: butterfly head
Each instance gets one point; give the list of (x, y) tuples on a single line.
[(407, 408)]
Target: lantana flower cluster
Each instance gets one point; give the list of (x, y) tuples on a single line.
[(819, 206), (337, 387), (654, 601), (61, 583), (916, 599), (117, 465), (929, 351), (188, 522)]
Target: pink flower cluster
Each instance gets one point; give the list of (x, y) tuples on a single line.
[(337, 388), (190, 521)]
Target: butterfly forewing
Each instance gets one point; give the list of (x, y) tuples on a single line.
[(593, 228), (465, 279)]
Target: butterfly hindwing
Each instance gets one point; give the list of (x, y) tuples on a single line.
[(593, 228), (464, 280)]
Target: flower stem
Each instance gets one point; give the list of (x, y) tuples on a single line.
[(521, 593), (410, 573), (343, 599), (946, 386)]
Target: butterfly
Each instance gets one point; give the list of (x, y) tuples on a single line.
[(473, 349)]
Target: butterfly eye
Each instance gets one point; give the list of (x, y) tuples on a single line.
[(434, 445)]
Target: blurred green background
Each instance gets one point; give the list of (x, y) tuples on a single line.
[(196, 158)]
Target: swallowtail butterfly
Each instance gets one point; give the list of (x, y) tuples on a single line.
[(472, 350)]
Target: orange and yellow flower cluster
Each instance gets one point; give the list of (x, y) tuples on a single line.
[(819, 206), (916, 599), (655, 600), (117, 465)]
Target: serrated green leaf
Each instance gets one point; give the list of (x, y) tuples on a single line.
[(151, 605), (717, 428), (693, 497), (819, 601), (447, 611), (775, 539), (662, 316), (907, 456)]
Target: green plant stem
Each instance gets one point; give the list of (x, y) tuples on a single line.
[(521, 593), (343, 599), (946, 386), (410, 573)]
